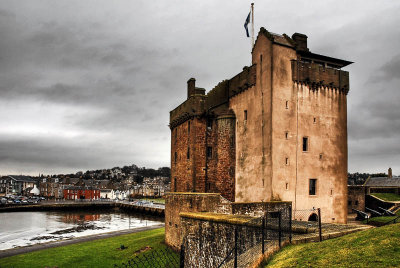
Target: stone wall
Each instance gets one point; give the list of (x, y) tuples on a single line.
[(208, 237), (176, 203), (356, 198), (258, 209)]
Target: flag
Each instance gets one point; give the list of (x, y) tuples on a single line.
[(246, 23)]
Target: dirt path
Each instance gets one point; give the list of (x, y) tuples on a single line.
[(22, 250)]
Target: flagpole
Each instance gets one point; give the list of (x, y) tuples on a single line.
[(252, 25)]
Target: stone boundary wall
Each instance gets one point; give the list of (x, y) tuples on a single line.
[(209, 237), (176, 203), (257, 209)]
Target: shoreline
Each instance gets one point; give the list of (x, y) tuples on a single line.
[(26, 249)]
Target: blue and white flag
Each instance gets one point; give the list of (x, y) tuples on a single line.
[(246, 23)]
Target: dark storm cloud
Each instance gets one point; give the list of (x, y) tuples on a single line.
[(89, 84)]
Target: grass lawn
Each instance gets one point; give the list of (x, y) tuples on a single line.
[(377, 247), (383, 219), (155, 200), (387, 196), (97, 253)]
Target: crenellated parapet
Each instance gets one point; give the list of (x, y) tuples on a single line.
[(317, 75), (243, 80), (194, 106)]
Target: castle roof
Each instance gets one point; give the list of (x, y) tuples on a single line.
[(382, 182), (299, 43)]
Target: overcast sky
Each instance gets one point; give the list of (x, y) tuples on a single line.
[(89, 84)]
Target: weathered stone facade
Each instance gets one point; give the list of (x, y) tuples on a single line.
[(356, 198), (176, 203), (275, 131)]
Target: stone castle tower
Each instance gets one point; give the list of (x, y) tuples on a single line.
[(275, 131)]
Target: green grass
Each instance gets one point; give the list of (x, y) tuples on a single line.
[(97, 253), (387, 196), (383, 219), (377, 247), (155, 200)]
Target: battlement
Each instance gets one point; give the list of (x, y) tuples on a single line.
[(193, 106), (316, 75), (198, 103)]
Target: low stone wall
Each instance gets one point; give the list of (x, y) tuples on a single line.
[(209, 237), (176, 203), (257, 209)]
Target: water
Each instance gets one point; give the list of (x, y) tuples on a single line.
[(28, 228)]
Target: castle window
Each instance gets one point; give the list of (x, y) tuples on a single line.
[(175, 184), (188, 153), (321, 156), (245, 115), (188, 127), (286, 135), (209, 123), (305, 144), (313, 187), (287, 186), (209, 152), (315, 120), (287, 161), (287, 105)]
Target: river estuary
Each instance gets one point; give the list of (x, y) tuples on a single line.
[(29, 228)]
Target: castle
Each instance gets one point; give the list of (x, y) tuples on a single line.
[(275, 131)]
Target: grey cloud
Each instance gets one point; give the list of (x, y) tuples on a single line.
[(119, 68)]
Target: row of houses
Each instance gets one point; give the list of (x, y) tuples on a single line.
[(78, 188)]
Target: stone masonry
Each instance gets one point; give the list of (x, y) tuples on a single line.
[(275, 131)]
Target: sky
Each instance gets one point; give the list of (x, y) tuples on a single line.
[(89, 84)]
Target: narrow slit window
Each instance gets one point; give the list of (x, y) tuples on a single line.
[(245, 115), (313, 187), (188, 153), (209, 124), (287, 105), (305, 144), (188, 127), (286, 135), (175, 184), (287, 161), (209, 152), (315, 120), (287, 186), (321, 156)]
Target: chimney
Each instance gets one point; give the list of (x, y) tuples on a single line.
[(301, 41), (390, 173), (191, 87)]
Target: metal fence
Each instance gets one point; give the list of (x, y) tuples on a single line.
[(160, 258), (307, 222), (237, 245)]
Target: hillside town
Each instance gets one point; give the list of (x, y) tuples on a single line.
[(115, 184)]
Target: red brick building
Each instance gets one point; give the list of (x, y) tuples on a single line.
[(81, 192)]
